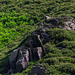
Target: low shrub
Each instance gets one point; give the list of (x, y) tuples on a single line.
[(67, 67), (49, 55), (51, 61), (58, 35), (67, 52), (51, 49), (66, 44)]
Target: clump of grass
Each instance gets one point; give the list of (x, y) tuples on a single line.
[(58, 35)]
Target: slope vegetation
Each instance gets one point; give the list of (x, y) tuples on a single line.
[(19, 18)]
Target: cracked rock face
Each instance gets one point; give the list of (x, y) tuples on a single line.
[(18, 60), (20, 57)]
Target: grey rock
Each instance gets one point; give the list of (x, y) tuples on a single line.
[(18, 60), (10, 72), (36, 40), (45, 37), (23, 60), (37, 53), (53, 21), (12, 59), (37, 70)]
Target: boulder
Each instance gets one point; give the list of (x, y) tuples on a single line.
[(22, 60), (37, 53), (19, 67), (37, 70), (53, 21), (45, 37), (36, 40), (12, 59), (18, 60), (10, 72)]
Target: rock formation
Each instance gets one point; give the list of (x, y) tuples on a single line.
[(20, 57), (34, 49)]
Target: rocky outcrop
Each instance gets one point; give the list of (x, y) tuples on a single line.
[(37, 53), (19, 60), (20, 57), (34, 49), (68, 22)]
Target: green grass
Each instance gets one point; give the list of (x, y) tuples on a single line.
[(19, 18), (12, 25)]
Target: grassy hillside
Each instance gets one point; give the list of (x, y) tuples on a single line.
[(19, 18)]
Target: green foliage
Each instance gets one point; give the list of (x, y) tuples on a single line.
[(51, 61), (51, 49), (58, 35), (19, 18), (12, 25), (69, 68), (67, 44)]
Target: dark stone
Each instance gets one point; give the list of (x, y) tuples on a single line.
[(54, 22), (36, 40), (37, 70), (45, 38), (47, 26), (73, 12), (51, 8), (22, 60), (12, 59), (51, 20), (30, 54), (37, 53), (19, 60), (10, 72)]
